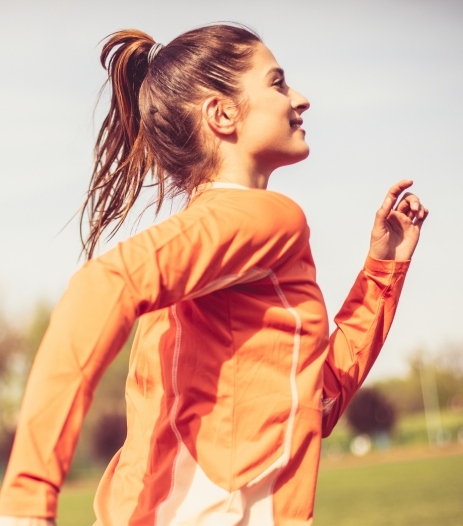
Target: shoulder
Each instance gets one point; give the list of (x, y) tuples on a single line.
[(222, 218), (252, 209), (245, 224)]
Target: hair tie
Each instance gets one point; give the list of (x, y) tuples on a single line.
[(155, 49)]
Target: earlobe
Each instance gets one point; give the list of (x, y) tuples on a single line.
[(220, 115)]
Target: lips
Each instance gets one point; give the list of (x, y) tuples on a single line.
[(295, 123)]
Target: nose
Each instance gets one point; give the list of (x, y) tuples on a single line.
[(299, 102)]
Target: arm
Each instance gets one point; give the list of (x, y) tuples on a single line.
[(362, 326), (366, 316), (221, 238)]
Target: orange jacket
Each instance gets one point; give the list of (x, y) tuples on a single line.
[(233, 378)]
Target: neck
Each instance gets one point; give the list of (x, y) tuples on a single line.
[(243, 171)]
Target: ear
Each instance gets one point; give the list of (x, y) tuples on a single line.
[(220, 114)]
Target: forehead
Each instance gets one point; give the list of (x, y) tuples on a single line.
[(263, 62)]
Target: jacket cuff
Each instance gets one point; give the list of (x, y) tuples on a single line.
[(380, 266)]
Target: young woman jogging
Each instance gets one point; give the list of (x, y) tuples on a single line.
[(233, 378)]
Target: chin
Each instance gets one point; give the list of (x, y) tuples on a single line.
[(286, 157), (299, 155)]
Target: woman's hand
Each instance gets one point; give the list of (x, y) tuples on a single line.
[(396, 232)]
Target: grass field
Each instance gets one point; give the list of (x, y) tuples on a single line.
[(376, 490), (420, 492), (76, 504)]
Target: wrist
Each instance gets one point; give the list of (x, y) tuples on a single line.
[(389, 256)]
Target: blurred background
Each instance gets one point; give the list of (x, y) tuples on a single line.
[(385, 82)]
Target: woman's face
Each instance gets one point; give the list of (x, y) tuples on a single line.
[(271, 128)]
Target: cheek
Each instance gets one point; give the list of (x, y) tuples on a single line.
[(266, 121), (271, 120)]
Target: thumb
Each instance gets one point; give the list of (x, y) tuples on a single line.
[(383, 213)]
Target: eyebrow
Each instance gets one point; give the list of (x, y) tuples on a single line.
[(275, 70)]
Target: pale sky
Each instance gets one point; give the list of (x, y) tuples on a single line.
[(385, 82)]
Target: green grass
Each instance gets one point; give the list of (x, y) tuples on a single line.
[(416, 493), (412, 493), (76, 504)]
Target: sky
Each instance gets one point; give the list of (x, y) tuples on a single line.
[(385, 83)]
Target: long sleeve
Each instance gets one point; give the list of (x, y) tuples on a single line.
[(362, 326), (224, 237)]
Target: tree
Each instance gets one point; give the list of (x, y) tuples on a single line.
[(371, 412), (12, 348), (447, 367), (109, 434)]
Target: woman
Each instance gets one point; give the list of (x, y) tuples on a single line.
[(233, 379)]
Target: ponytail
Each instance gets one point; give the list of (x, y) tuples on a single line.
[(122, 157)]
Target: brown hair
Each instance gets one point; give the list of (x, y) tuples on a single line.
[(153, 123)]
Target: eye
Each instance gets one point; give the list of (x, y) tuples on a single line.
[(279, 82)]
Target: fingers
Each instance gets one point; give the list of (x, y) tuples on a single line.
[(407, 205), (393, 195), (398, 188), (411, 206), (419, 221)]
